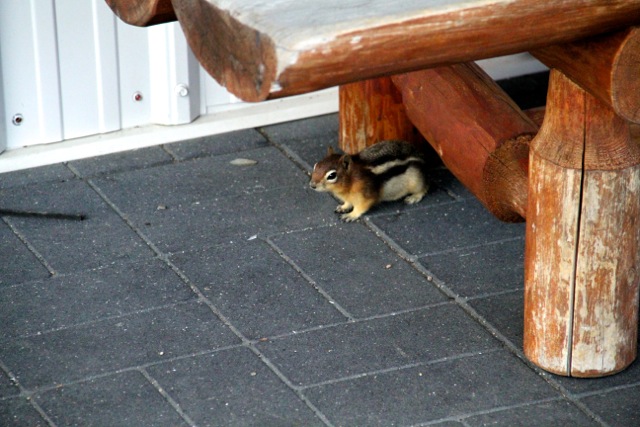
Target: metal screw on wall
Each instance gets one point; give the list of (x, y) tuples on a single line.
[(137, 96), (17, 119), (182, 90)]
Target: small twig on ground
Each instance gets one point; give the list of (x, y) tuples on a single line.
[(47, 215)]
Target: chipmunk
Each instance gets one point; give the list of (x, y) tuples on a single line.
[(386, 171)]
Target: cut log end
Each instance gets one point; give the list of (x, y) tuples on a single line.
[(505, 177), (472, 141), (240, 58), (605, 65), (625, 86), (143, 13)]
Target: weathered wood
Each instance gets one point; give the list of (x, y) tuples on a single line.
[(143, 13), (606, 66), (478, 131), (372, 111), (582, 238), (536, 114), (283, 47)]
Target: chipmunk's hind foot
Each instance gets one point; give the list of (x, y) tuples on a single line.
[(415, 197)]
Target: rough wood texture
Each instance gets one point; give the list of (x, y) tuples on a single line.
[(372, 111), (270, 48), (581, 283), (478, 131), (143, 13), (536, 114), (605, 65)]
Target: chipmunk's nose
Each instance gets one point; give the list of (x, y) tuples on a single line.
[(312, 184)]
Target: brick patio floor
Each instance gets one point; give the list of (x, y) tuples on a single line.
[(198, 292)]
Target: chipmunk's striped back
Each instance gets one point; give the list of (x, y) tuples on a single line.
[(388, 170)]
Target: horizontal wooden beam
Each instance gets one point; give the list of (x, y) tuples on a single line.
[(605, 65), (478, 131), (265, 49)]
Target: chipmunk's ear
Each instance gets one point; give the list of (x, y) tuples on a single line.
[(346, 161), (330, 151)]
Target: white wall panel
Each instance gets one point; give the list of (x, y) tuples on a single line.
[(214, 95), (29, 72), (134, 69), (3, 121), (505, 67), (88, 67), (71, 69), (174, 76)]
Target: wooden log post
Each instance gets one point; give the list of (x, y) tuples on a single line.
[(372, 111), (143, 13), (582, 237), (478, 131)]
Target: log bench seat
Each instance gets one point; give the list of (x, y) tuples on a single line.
[(572, 171)]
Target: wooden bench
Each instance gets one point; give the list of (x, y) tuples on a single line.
[(574, 175)]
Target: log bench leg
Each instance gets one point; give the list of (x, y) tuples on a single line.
[(579, 192), (582, 237), (372, 111)]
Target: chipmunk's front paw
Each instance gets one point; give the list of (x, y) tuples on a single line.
[(349, 217), (344, 208)]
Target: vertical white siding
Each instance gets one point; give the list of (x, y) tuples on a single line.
[(133, 69), (214, 96), (174, 77), (30, 77), (3, 114), (71, 69), (88, 66)]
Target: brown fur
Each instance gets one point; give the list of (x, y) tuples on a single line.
[(355, 181)]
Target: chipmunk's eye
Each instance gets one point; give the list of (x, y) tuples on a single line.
[(331, 176)]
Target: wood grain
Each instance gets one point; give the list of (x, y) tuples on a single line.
[(478, 131), (239, 57), (549, 263), (283, 47), (606, 65), (143, 13), (581, 284), (372, 111), (606, 295)]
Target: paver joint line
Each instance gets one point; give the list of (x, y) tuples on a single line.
[(358, 365)]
